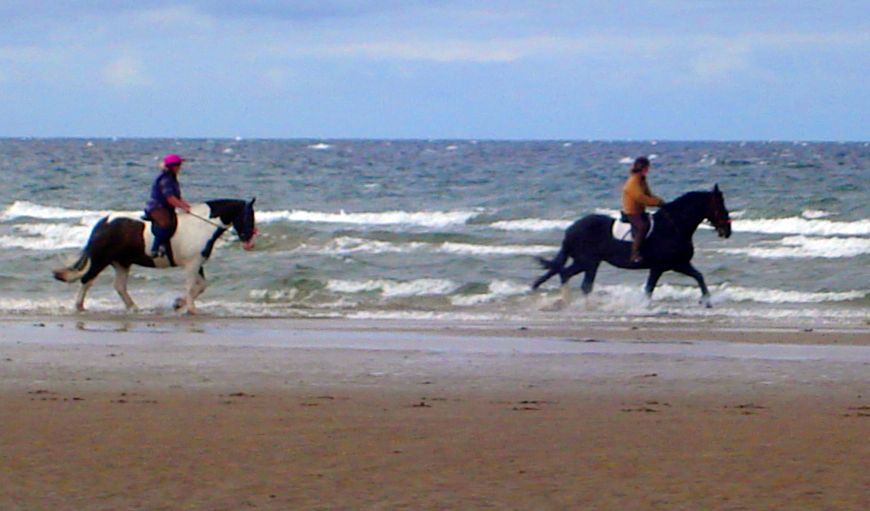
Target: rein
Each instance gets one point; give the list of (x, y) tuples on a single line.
[(206, 220)]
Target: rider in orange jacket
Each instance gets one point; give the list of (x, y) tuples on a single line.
[(636, 197)]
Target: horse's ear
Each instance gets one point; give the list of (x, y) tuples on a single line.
[(716, 188), (253, 201)]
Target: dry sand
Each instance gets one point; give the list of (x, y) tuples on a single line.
[(226, 415)]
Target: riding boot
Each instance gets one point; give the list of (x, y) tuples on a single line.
[(158, 247)]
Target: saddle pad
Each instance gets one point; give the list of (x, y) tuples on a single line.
[(622, 230)]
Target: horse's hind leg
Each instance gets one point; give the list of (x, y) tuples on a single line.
[(80, 297), (121, 274), (88, 281), (565, 275)]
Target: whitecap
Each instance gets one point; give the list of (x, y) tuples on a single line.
[(814, 214), (531, 224), (496, 290), (797, 225), (352, 245), (419, 218), (394, 288), (47, 237), (805, 247), (320, 146), (472, 249)]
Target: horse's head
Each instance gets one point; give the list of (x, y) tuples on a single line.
[(243, 224), (717, 213)]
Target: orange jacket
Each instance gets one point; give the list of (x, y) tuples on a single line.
[(636, 195)]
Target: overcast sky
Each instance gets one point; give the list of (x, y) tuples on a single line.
[(575, 70)]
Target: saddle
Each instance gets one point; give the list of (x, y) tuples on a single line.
[(622, 227)]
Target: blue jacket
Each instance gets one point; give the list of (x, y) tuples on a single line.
[(164, 186)]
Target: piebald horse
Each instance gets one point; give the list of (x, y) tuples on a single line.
[(668, 247), (122, 241)]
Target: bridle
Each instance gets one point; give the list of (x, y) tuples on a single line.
[(716, 218), (222, 228)]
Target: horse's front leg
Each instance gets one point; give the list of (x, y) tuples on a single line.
[(195, 285), (651, 281), (688, 269)]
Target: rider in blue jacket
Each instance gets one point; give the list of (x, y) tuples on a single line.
[(165, 197)]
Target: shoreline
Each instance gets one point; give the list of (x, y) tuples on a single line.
[(217, 414), (633, 330)]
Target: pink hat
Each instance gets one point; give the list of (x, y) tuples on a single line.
[(171, 160)]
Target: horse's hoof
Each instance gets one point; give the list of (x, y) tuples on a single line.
[(179, 303)]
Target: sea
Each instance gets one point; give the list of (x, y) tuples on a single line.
[(448, 229)]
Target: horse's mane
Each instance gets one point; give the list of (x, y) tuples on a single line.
[(686, 200)]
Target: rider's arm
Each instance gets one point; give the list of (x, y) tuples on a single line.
[(176, 202), (636, 192)]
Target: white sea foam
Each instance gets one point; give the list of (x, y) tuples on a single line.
[(797, 225), (25, 209), (471, 249), (435, 219), (814, 214), (498, 289), (727, 293), (47, 237), (531, 224), (320, 146), (544, 224), (352, 245), (394, 288), (805, 247)]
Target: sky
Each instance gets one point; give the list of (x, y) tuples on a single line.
[(424, 69)]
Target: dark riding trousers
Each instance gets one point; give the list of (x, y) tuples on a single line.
[(639, 225)]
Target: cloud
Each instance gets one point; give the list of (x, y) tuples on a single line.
[(126, 72)]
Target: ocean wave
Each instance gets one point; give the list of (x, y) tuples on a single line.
[(498, 289), (737, 294), (25, 209), (805, 247), (435, 219), (809, 223), (531, 224), (47, 237), (814, 214), (351, 245), (394, 288), (798, 225)]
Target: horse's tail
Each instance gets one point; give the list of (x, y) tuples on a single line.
[(76, 271), (553, 266), (82, 264)]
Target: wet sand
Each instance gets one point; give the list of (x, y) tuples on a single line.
[(108, 413)]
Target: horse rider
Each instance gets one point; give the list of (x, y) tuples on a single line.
[(165, 197), (636, 196)]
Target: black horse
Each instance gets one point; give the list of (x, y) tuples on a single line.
[(669, 247)]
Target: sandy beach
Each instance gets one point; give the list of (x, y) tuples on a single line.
[(107, 413)]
